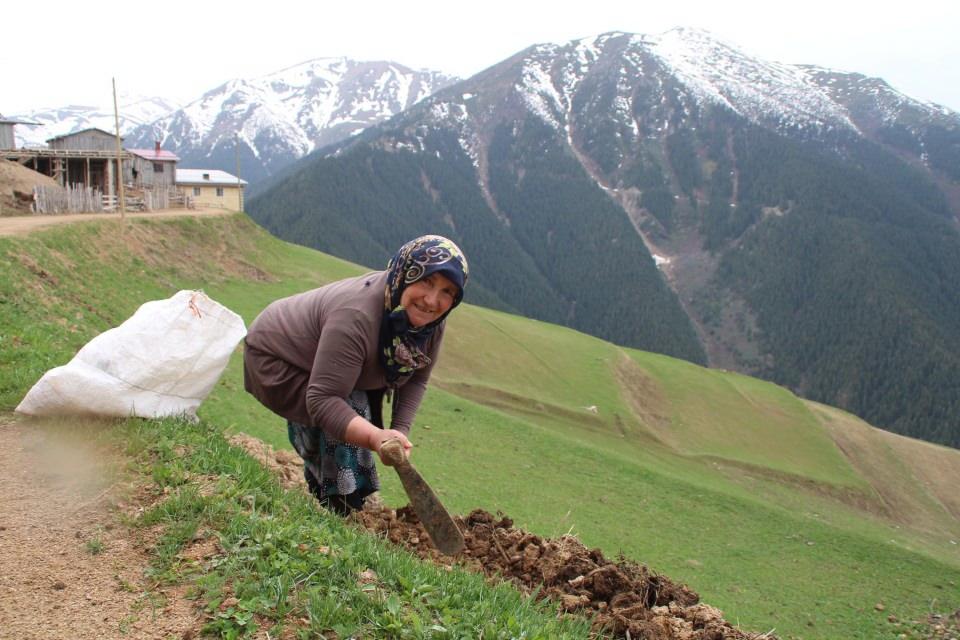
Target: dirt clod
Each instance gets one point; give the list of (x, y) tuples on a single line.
[(620, 596)]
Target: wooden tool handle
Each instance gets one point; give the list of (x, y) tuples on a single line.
[(392, 452)]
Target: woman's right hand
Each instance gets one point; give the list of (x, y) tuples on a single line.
[(390, 434), (363, 433)]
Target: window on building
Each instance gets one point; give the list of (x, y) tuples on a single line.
[(196, 191), (219, 192), (158, 167)]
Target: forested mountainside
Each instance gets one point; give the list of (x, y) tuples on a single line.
[(564, 279), (804, 221)]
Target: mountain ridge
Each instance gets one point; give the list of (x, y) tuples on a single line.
[(276, 118), (285, 115), (134, 111), (604, 152)]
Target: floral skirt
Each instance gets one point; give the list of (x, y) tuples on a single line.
[(333, 468)]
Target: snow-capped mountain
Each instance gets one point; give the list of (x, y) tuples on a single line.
[(134, 111), (654, 82), (285, 115), (673, 193)]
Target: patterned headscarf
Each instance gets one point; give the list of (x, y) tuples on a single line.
[(401, 344)]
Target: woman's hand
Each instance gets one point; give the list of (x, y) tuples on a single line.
[(363, 433), (390, 434)]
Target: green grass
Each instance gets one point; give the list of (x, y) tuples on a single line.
[(286, 566), (764, 566), (746, 420), (95, 546), (730, 484)]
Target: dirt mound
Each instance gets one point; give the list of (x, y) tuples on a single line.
[(287, 465), (16, 187), (623, 598), (936, 626)]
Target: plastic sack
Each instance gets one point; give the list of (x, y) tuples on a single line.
[(163, 361)]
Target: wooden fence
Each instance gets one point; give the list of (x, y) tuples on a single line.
[(80, 199), (72, 199)]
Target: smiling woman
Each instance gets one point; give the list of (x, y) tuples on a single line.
[(429, 299), (323, 359)]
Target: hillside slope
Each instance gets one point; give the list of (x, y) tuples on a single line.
[(671, 193), (782, 513)]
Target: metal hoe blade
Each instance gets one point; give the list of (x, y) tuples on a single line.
[(443, 531)]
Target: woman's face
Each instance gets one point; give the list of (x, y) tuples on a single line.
[(428, 299)]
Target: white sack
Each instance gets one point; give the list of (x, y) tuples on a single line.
[(163, 361)]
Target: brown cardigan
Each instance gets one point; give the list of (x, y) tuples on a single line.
[(305, 354)]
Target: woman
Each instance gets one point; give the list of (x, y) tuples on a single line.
[(324, 358)]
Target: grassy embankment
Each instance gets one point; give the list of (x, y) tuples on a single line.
[(727, 483)]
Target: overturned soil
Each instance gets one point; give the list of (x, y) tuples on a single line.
[(621, 597)]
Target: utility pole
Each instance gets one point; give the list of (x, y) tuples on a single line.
[(236, 147), (116, 121)]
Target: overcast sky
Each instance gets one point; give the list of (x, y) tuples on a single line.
[(56, 53)]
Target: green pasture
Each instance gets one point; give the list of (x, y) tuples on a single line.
[(730, 484)]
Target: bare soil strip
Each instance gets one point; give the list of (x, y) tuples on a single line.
[(67, 568), (22, 225)]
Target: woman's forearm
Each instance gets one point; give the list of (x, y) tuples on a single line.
[(363, 433)]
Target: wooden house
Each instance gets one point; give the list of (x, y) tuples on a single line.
[(87, 158), (92, 139), (212, 188), (151, 168), (7, 139)]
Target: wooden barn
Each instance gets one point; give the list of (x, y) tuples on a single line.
[(87, 158), (7, 139), (92, 139), (150, 168), (87, 161)]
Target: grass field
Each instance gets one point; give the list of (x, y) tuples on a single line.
[(783, 513)]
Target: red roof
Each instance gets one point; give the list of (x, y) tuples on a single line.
[(157, 156)]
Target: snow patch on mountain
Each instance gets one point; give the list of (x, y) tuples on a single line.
[(537, 88), (858, 92), (711, 71), (761, 91), (287, 114), (134, 111)]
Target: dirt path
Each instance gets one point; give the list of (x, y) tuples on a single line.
[(21, 225), (67, 568)]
